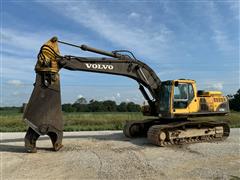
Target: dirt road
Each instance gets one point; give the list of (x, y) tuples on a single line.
[(109, 155)]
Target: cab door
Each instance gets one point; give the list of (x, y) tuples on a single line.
[(184, 98)]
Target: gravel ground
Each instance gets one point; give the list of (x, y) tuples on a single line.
[(110, 155)]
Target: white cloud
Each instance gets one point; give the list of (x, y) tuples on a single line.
[(235, 7), (148, 41), (143, 18), (15, 82), (134, 15), (221, 39), (21, 40), (167, 72), (218, 86), (143, 40), (79, 96), (20, 68), (105, 98), (20, 50), (15, 93), (118, 95), (218, 28), (215, 86), (149, 18)]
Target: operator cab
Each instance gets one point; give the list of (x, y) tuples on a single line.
[(177, 96)]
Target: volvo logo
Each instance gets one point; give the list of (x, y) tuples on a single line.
[(99, 66)]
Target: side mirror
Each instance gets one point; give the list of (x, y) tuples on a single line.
[(176, 83)]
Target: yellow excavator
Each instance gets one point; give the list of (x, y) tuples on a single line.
[(170, 103)]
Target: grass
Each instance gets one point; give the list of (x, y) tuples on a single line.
[(11, 120), (233, 119), (98, 120)]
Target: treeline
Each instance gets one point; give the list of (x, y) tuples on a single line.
[(10, 108), (81, 105), (234, 101)]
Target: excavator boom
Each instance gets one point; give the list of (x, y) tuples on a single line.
[(133, 69)]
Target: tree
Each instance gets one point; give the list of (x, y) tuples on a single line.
[(81, 100), (109, 105), (132, 107), (95, 106), (68, 108), (234, 101), (81, 105), (122, 107)]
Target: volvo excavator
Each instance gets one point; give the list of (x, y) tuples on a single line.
[(170, 103)]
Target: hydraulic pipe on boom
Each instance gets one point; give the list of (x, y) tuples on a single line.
[(94, 50)]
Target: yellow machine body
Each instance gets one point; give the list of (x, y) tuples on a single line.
[(185, 101)]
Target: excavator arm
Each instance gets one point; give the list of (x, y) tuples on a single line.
[(128, 67)]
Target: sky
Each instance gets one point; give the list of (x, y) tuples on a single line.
[(178, 39)]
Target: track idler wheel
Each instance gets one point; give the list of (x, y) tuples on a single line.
[(131, 130)]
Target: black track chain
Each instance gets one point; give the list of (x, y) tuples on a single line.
[(154, 131)]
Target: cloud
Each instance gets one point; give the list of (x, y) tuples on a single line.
[(79, 96), (149, 18), (143, 18), (153, 33), (15, 93), (118, 95), (215, 86), (17, 67), (105, 98), (222, 41), (19, 42), (168, 71), (15, 82), (219, 30), (235, 7), (134, 15), (20, 49), (143, 40)]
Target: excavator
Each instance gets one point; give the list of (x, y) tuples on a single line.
[(170, 104)]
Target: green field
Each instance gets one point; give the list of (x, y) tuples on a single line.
[(11, 120)]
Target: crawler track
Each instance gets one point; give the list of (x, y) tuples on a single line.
[(177, 133), (187, 132), (137, 128)]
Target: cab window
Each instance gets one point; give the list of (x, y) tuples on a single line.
[(165, 97), (183, 95)]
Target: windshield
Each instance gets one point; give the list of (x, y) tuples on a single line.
[(183, 95), (165, 97)]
